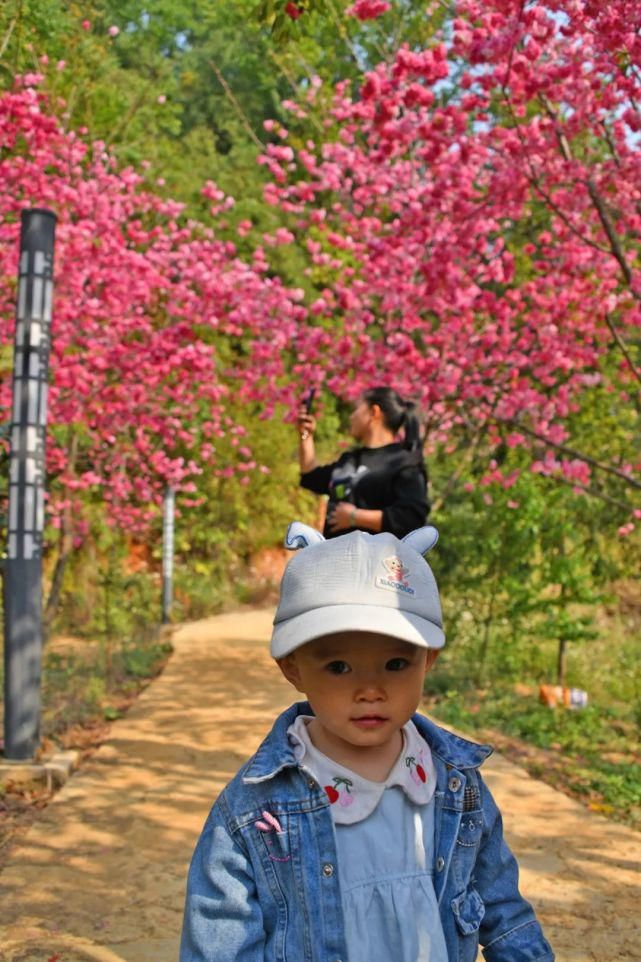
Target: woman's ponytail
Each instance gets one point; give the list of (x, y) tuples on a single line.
[(412, 427)]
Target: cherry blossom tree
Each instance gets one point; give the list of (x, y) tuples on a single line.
[(472, 221), (143, 300), (470, 218)]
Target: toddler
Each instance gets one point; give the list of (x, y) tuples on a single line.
[(359, 831)]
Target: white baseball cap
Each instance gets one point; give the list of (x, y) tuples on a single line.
[(358, 582)]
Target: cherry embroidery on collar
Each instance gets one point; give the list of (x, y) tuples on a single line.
[(417, 772), (335, 792)]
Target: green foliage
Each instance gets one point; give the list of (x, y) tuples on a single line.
[(595, 743), (81, 687), (101, 598), (141, 660), (526, 561), (28, 29), (233, 520)]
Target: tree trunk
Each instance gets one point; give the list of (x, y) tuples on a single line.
[(65, 548), (560, 662), (64, 553), (561, 654)]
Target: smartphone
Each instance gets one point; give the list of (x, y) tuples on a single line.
[(309, 400)]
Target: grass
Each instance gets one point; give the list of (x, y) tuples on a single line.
[(89, 683), (591, 754)]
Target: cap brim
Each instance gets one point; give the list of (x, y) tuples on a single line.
[(291, 634)]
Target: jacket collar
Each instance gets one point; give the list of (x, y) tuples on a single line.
[(454, 750), (276, 753)]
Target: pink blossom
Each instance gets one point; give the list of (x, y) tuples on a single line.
[(408, 208), (368, 9)]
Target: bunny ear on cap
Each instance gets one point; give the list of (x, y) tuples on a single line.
[(300, 535), (422, 540)]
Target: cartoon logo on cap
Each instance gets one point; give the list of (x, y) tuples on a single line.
[(396, 577)]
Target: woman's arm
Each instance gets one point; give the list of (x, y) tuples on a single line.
[(410, 507), (306, 453), (306, 425)]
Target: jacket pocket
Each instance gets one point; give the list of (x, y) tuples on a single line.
[(468, 911), (470, 830)]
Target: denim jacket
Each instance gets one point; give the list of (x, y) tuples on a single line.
[(258, 896)]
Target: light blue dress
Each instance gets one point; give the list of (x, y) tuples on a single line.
[(385, 848)]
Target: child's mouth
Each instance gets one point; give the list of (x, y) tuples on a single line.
[(369, 721)]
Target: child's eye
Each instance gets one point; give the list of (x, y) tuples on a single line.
[(338, 667), (396, 664)]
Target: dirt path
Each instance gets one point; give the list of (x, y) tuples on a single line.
[(101, 875)]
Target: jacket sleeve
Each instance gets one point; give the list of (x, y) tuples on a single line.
[(509, 930), (410, 507), (317, 480), (223, 920)]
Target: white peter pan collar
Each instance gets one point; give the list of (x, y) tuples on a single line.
[(352, 797)]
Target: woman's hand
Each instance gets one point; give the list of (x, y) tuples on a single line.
[(342, 516)]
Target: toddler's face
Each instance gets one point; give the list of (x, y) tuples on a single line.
[(362, 686)]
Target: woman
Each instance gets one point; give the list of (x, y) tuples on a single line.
[(380, 485)]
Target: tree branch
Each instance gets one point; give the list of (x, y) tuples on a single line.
[(597, 200), (7, 36), (622, 345), (467, 459), (610, 231), (591, 492), (126, 119), (339, 22), (564, 449), (242, 116), (293, 84)]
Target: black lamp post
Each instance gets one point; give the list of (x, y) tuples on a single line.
[(23, 567)]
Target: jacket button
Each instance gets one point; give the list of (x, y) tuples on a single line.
[(454, 783), (311, 783), (440, 863), (328, 869)]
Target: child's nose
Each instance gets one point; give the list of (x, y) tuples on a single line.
[(370, 689)]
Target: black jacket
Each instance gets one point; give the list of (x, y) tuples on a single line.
[(389, 478)]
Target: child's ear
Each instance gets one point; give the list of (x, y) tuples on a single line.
[(430, 657), (289, 668)]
